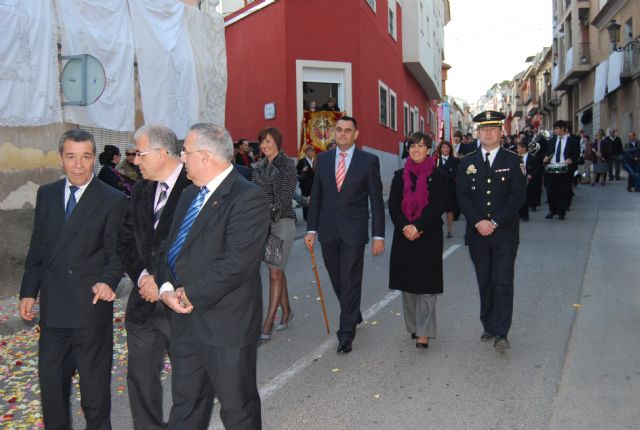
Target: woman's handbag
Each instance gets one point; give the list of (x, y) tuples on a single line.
[(272, 251)]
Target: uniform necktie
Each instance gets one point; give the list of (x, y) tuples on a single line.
[(487, 164), (187, 222), (71, 202), (162, 200), (558, 147), (342, 170)]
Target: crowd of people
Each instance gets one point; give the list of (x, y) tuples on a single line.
[(202, 216)]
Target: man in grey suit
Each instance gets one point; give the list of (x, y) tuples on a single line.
[(73, 265), (210, 278), (347, 180)]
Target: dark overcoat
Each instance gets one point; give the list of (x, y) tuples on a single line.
[(416, 266)]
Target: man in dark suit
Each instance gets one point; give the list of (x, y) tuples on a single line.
[(73, 264), (532, 167), (149, 216), (471, 146), (563, 150), (491, 187), (617, 150), (210, 278), (347, 180)]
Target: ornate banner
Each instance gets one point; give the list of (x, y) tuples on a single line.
[(318, 129)]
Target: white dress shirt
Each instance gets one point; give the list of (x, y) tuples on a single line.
[(492, 155), (78, 194)]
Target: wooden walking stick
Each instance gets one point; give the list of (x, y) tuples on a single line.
[(315, 272)]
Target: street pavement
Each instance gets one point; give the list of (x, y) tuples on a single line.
[(574, 362)]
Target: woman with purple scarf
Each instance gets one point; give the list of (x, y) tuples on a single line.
[(416, 203)]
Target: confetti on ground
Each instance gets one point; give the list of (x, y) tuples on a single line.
[(577, 306), (19, 389), (335, 370), (376, 396), (295, 297), (374, 322), (398, 314)]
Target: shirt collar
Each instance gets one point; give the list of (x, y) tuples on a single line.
[(213, 185), (349, 151), (173, 177), (81, 187)]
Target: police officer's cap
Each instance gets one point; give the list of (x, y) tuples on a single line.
[(489, 118)]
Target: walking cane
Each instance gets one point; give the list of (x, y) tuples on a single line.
[(315, 272)]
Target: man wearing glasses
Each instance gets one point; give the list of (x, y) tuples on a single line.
[(152, 204)]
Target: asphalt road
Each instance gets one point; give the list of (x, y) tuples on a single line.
[(574, 361)]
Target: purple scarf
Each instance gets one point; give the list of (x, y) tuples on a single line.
[(413, 202)]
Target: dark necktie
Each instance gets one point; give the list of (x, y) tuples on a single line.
[(558, 148), (71, 202), (487, 164), (162, 200), (187, 222)]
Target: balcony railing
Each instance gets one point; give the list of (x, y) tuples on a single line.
[(631, 64), (583, 53)]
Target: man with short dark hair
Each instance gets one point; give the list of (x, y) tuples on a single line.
[(347, 180), (73, 266), (243, 157), (490, 188), (563, 150), (149, 217)]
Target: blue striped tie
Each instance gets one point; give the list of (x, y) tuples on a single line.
[(71, 202), (187, 222)]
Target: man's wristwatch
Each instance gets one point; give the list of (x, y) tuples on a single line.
[(495, 224)]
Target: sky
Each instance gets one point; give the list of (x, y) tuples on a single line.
[(487, 41)]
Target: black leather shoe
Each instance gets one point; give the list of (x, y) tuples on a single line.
[(344, 347), (413, 336), (359, 321), (561, 217), (485, 337), (421, 345), (501, 344), (549, 215)]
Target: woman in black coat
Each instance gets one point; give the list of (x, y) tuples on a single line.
[(417, 200), (448, 162), (109, 159)]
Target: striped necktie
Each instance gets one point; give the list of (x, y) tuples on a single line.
[(162, 201), (341, 172), (71, 202), (187, 222)]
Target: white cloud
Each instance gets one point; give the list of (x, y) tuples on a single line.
[(487, 41)]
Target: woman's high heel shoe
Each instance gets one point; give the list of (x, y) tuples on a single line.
[(284, 326)]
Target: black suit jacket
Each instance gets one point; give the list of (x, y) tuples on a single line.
[(533, 168), (66, 259), (468, 148), (345, 214), (305, 177), (496, 194), (571, 149), (139, 242), (219, 264)]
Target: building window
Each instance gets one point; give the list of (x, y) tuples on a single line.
[(414, 119), (407, 130), (432, 120), (421, 18), (383, 95), (422, 124), (392, 110), (392, 20), (372, 4)]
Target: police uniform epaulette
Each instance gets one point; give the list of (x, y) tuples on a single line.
[(468, 153), (514, 153)]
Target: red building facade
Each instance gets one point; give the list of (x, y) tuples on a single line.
[(282, 54)]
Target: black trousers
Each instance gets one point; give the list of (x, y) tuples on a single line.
[(147, 343), (200, 371), (345, 264), (62, 351), (494, 266), (558, 192)]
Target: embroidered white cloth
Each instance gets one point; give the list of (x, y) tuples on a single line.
[(102, 29), (206, 31), (600, 86), (166, 66), (616, 64), (29, 84)]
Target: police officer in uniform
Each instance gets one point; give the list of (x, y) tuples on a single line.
[(491, 188)]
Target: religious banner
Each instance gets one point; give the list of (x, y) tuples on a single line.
[(318, 129)]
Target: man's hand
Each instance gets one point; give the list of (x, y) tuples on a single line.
[(184, 300), (148, 288), (377, 247), (546, 159), (485, 227), (173, 299), (568, 161), (26, 308), (102, 291), (309, 238)]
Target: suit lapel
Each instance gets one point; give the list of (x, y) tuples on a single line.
[(351, 172), (498, 162), (210, 207), (89, 202), (169, 208)]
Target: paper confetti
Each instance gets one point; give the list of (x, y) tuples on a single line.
[(376, 396), (577, 306), (335, 370)]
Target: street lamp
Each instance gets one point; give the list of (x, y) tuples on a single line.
[(614, 30)]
